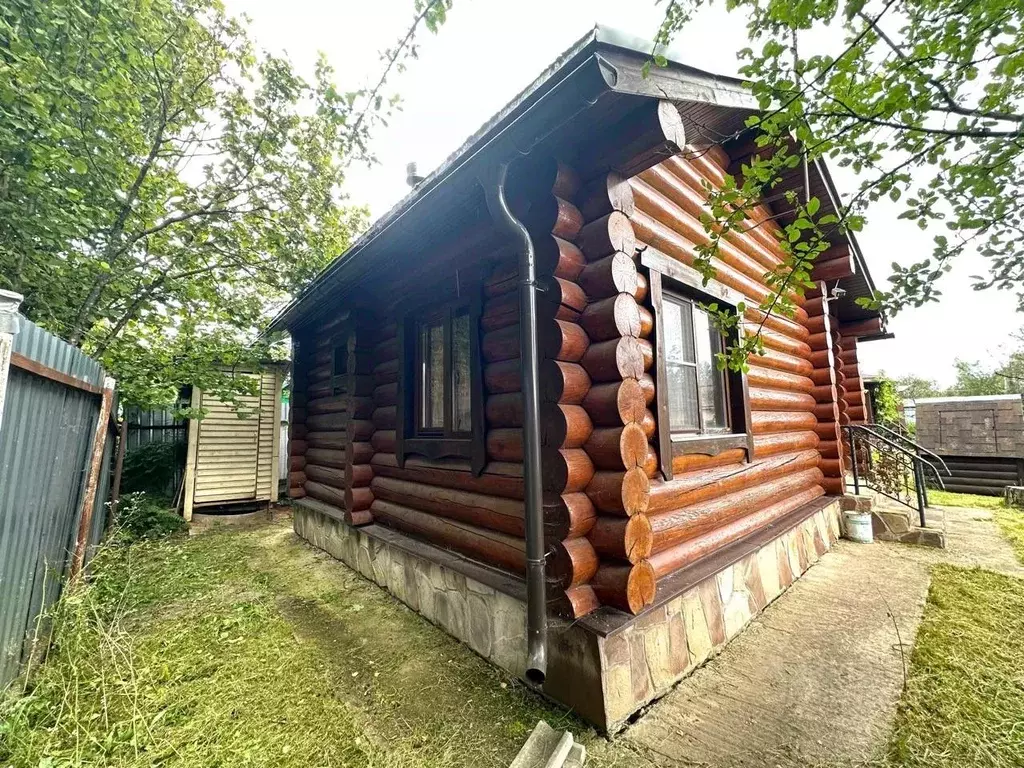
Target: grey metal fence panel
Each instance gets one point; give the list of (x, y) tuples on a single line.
[(45, 441), (145, 427)]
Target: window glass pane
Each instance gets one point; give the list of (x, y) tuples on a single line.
[(678, 331), (710, 380), (461, 408), (679, 367), (682, 398), (431, 341)]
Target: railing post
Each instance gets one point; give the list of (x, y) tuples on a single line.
[(853, 462), (919, 483), (9, 303)]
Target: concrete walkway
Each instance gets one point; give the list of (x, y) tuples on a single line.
[(973, 539), (816, 678)]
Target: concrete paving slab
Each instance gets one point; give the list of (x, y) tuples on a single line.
[(815, 678)]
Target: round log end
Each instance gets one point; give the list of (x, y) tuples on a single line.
[(572, 562), (639, 538), (632, 401), (633, 446), (630, 358), (636, 491), (641, 587)]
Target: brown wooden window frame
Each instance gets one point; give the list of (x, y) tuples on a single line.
[(668, 276), (410, 437)]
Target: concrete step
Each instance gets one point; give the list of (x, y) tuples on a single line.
[(893, 521), (548, 748)]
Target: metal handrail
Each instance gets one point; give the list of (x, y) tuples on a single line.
[(898, 447), (917, 462), (917, 446)]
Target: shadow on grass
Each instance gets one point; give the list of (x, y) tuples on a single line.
[(250, 648)]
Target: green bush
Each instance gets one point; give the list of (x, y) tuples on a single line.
[(151, 468), (140, 516)]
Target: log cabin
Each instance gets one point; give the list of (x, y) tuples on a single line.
[(506, 407)]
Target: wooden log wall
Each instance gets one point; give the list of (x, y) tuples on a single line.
[(483, 516), (617, 363), (297, 421), (335, 417), (828, 377), (443, 500), (648, 527), (615, 527), (854, 388), (566, 425)]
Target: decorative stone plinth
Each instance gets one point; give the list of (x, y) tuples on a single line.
[(604, 670)]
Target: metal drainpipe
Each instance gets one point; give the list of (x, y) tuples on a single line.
[(536, 594)]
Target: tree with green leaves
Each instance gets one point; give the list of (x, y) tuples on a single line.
[(164, 187), (923, 100), (913, 387)]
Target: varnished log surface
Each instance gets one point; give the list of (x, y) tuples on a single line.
[(421, 471), (621, 526), (497, 549), (492, 512), (677, 525), (672, 559), (711, 484)]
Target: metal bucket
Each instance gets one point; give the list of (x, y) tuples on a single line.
[(858, 527)]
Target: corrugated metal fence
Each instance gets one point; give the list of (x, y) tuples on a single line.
[(46, 439)]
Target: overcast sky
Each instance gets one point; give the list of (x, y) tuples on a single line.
[(488, 51)]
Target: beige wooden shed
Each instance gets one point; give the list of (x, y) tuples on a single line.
[(233, 453)]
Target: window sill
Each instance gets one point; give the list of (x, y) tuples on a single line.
[(711, 445), (438, 447)]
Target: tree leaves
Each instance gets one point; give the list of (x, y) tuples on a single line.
[(163, 188), (924, 101)]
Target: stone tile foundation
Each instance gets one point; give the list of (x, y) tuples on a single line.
[(605, 676)]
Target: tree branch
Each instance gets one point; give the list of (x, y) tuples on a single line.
[(947, 97)]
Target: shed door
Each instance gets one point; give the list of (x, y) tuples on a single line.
[(227, 456)]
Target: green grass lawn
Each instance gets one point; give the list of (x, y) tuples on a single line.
[(249, 648), (964, 703), (950, 499)]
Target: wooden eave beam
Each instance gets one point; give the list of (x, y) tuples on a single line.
[(870, 327), (835, 263), (646, 136)]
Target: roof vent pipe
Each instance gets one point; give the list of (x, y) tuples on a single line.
[(536, 598), (411, 177)]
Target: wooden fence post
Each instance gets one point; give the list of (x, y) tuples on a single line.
[(9, 303), (115, 490), (99, 443)]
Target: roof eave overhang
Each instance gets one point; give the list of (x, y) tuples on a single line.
[(602, 62)]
